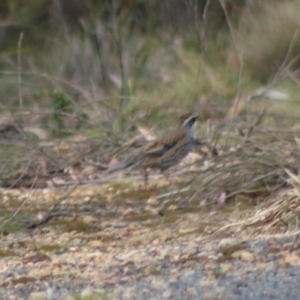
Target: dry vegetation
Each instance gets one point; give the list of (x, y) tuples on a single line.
[(86, 83)]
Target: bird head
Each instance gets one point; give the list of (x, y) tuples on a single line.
[(188, 120)]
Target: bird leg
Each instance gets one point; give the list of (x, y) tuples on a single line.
[(145, 177), (167, 176)]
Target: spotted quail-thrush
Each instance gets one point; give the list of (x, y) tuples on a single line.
[(162, 153)]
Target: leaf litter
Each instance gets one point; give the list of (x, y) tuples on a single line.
[(102, 235)]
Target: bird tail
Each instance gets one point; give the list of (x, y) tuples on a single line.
[(118, 166), (130, 161)]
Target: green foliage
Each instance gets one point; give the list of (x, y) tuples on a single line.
[(52, 249), (61, 103), (63, 106), (9, 225), (120, 124)]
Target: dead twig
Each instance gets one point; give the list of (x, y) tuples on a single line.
[(19, 72), (253, 125), (55, 211), (24, 202), (17, 180), (48, 216)]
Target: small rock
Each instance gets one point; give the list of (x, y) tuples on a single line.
[(87, 293), (45, 229), (128, 211), (162, 254), (38, 296), (20, 285), (188, 273), (165, 236), (89, 220), (129, 256), (205, 282), (270, 266), (158, 284), (120, 225), (228, 246), (68, 297), (167, 294), (42, 273), (86, 199), (226, 267), (243, 255), (188, 230), (152, 201), (77, 242), (191, 248), (156, 242), (174, 254), (95, 243)]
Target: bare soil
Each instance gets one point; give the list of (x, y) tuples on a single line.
[(122, 241)]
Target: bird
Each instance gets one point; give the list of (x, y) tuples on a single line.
[(163, 152)]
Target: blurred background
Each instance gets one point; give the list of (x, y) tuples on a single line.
[(93, 69)]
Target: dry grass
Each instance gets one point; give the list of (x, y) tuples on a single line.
[(265, 36), (276, 185), (68, 114), (253, 165), (279, 214)]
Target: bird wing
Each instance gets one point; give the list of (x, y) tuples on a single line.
[(158, 147)]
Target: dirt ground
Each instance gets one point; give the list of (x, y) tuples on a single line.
[(129, 242)]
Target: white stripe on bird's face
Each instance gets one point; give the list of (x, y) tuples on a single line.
[(188, 125), (190, 121)]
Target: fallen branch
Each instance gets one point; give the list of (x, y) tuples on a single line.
[(55, 211)]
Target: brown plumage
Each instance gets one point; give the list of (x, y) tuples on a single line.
[(164, 152)]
